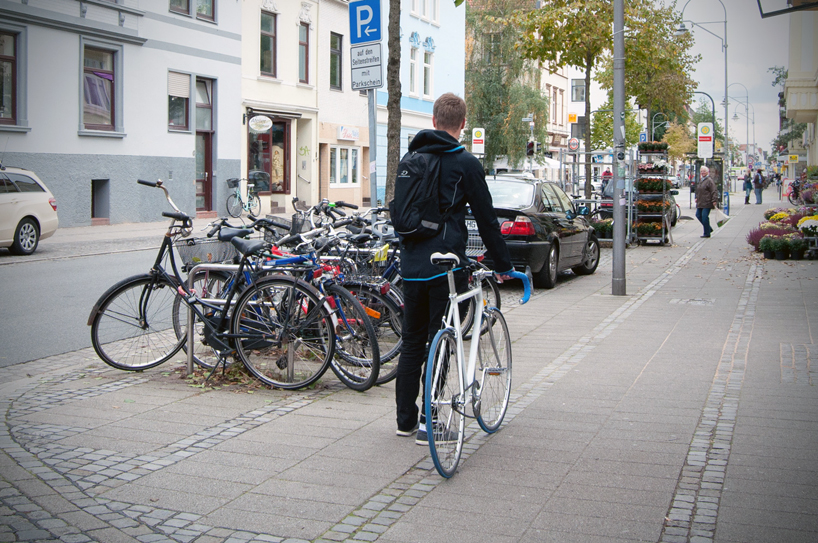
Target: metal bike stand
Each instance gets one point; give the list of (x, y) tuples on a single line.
[(191, 315)]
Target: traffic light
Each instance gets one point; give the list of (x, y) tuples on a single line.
[(537, 147), (529, 148)]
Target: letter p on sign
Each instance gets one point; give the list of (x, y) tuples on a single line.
[(364, 21)]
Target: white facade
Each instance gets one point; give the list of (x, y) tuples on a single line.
[(801, 89), (59, 123)]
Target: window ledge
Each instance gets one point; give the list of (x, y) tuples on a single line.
[(344, 185), (14, 128), (268, 79), (305, 86), (101, 133), (179, 130)]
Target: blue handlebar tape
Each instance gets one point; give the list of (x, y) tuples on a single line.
[(526, 285)]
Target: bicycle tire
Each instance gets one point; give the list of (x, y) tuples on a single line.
[(494, 370), (132, 323), (254, 205), (357, 359), (491, 298), (283, 332), (234, 206), (387, 318), (207, 284), (443, 404)]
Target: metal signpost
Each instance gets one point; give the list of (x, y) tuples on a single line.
[(367, 71)]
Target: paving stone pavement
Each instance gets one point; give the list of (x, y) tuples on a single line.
[(684, 411)]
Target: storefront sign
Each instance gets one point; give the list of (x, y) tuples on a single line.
[(348, 133), (260, 124)]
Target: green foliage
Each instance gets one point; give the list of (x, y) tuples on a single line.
[(790, 131), (602, 127), (780, 73), (679, 140), (766, 244), (501, 86), (704, 114)]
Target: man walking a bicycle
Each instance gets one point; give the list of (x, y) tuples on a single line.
[(462, 182)]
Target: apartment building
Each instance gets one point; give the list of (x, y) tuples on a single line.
[(97, 94), (801, 88)]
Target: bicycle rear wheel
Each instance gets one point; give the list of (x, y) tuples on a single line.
[(358, 360), (234, 206), (387, 318), (283, 332), (132, 323), (443, 404), (253, 205), (493, 370)]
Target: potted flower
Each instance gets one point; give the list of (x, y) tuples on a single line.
[(798, 246), (781, 247), (766, 246)]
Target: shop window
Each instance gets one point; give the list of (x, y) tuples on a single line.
[(268, 152), (343, 166)]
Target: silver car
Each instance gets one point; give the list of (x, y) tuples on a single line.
[(28, 210)]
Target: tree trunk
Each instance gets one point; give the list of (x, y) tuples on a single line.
[(589, 63), (393, 103)]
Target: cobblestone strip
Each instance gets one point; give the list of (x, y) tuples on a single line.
[(695, 507), (796, 364), (373, 518)]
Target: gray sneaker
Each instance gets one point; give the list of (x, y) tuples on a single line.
[(406, 433)]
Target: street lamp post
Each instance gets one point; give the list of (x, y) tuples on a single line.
[(653, 125), (746, 102), (747, 112), (683, 30)]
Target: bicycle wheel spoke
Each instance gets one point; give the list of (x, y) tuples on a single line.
[(493, 370), (443, 404)]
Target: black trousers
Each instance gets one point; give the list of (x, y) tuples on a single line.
[(424, 305)]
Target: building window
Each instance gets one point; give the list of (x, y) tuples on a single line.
[(416, 6), (8, 78), (343, 165), (98, 89), (204, 104), (577, 90), (178, 101), (268, 152), (427, 74), (268, 44), (555, 104), (180, 6), (303, 53), (204, 10), (434, 10), (413, 70), (335, 67), (562, 108)]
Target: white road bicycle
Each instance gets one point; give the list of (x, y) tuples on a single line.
[(454, 383)]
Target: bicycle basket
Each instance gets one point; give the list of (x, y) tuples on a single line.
[(279, 228), (232, 183), (202, 250), (299, 224), (474, 245)]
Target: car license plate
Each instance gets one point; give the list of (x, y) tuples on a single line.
[(471, 225)]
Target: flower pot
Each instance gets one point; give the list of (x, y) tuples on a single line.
[(781, 255), (769, 254), (798, 254)]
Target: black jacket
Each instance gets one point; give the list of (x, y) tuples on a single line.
[(462, 182)]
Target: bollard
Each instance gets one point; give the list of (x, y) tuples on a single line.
[(726, 205)]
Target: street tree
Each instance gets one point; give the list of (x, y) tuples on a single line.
[(680, 141), (602, 126), (568, 33), (502, 88), (789, 131), (393, 111)]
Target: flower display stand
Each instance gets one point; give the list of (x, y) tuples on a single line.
[(652, 208)]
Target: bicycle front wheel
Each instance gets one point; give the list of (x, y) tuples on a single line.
[(358, 360), (493, 371), (254, 205), (491, 298), (234, 206), (443, 404), (387, 318), (283, 333), (207, 285), (132, 323)]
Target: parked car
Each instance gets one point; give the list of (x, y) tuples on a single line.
[(28, 211), (543, 229)]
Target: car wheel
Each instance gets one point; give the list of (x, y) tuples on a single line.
[(26, 237), (547, 276), (675, 218), (590, 259)]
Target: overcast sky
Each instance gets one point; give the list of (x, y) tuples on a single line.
[(754, 45)]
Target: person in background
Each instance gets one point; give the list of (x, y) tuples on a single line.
[(758, 185), (707, 197), (748, 186), (606, 178)]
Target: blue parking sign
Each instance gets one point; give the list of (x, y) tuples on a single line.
[(643, 137), (364, 21)]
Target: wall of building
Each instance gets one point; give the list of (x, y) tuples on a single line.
[(801, 88)]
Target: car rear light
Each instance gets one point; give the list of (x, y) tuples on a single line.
[(521, 226), (53, 202)]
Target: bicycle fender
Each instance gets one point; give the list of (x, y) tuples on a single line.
[(108, 292)]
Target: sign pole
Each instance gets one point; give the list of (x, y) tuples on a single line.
[(618, 279), (373, 148)]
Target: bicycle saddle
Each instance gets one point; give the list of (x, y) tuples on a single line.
[(226, 233), (248, 246), (447, 259)]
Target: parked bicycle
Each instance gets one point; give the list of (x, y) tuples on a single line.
[(454, 383), (236, 202)]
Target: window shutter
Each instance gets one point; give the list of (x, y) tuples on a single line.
[(178, 85)]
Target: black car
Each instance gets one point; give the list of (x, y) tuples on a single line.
[(543, 230)]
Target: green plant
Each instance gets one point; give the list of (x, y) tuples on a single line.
[(766, 244), (780, 243), (798, 244)]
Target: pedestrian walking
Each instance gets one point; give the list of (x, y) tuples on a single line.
[(607, 175), (707, 197), (758, 185), (462, 181), (748, 186)]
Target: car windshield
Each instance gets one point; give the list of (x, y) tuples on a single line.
[(511, 194)]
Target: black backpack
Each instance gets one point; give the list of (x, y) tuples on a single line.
[(415, 210)]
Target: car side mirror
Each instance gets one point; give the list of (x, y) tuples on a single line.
[(570, 215), (583, 210), (674, 192)]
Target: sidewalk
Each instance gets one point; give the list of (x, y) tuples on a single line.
[(683, 411)]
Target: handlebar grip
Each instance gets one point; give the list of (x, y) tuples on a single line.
[(526, 285), (214, 230), (344, 204), (146, 183), (340, 212)]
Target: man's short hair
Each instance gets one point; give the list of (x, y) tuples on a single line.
[(449, 112), (705, 169)]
